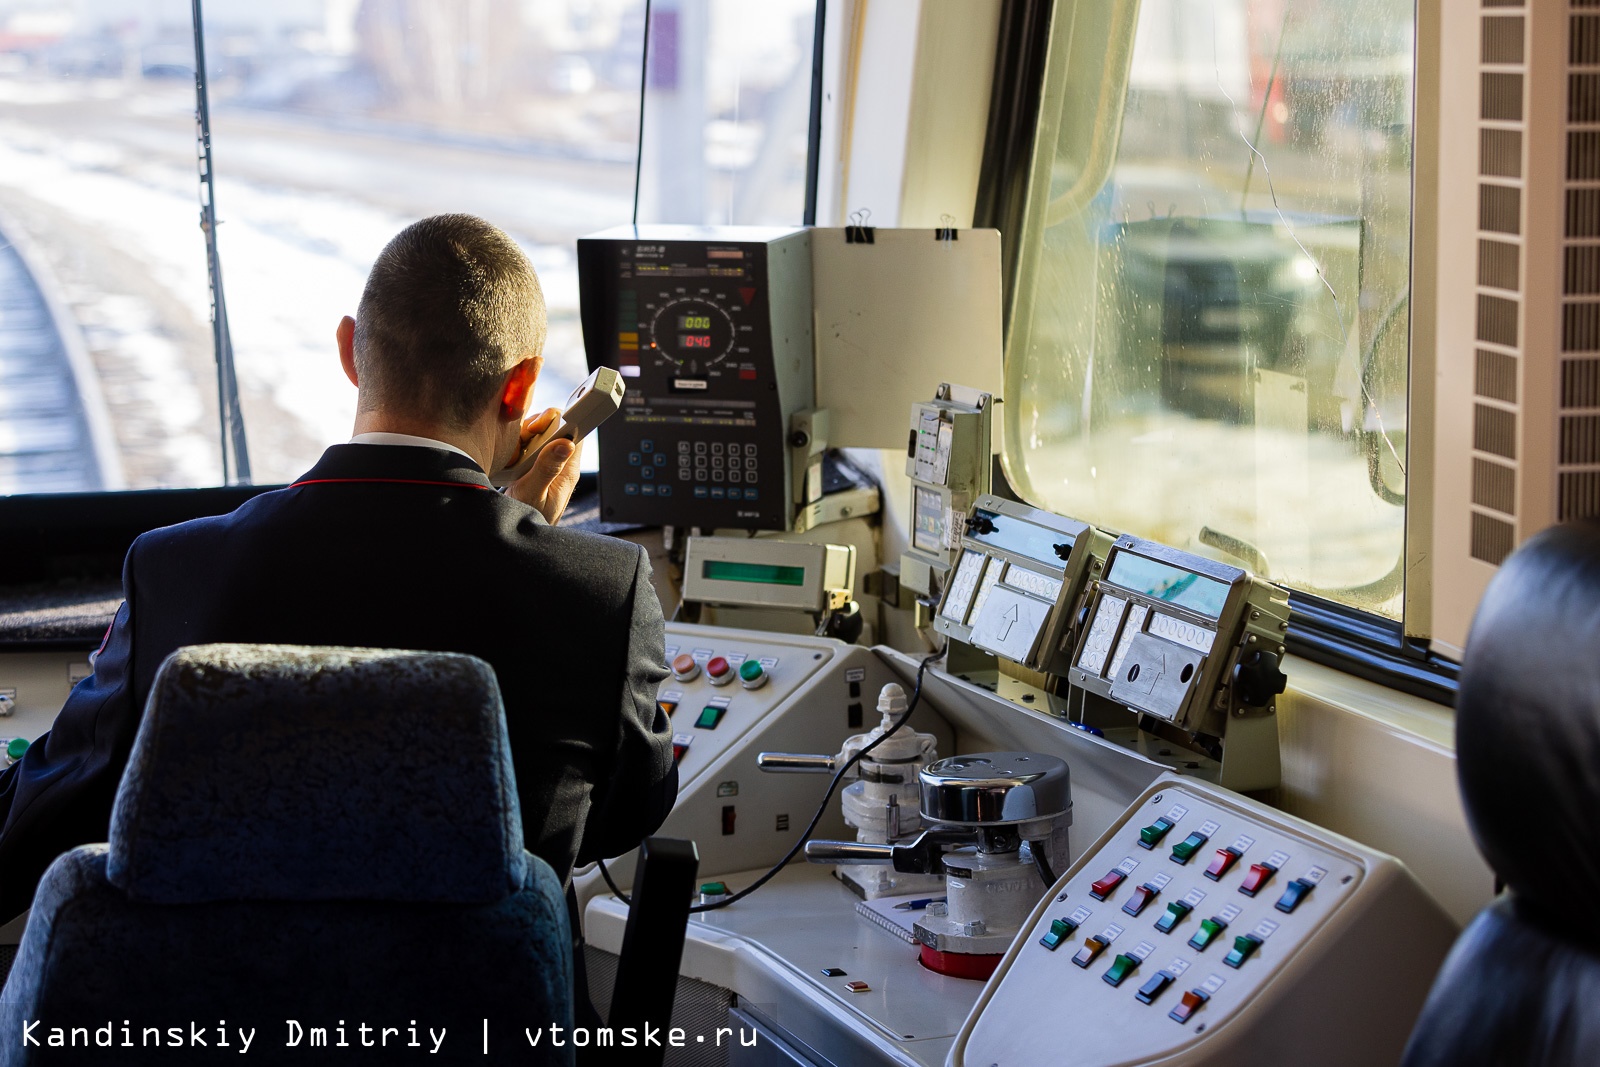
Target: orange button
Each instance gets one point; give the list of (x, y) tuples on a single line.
[(684, 668)]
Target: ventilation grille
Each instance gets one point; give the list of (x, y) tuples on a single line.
[(1502, 75), (1578, 440)]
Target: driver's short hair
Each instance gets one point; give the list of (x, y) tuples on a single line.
[(450, 306)]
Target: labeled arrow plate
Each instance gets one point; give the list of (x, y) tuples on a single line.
[(1009, 623), (1156, 676)]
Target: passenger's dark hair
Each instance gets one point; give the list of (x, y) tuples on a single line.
[(450, 306)]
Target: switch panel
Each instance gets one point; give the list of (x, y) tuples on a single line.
[(1207, 973)]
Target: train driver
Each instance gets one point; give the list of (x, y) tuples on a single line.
[(396, 539)]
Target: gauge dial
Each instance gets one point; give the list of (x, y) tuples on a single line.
[(691, 333)]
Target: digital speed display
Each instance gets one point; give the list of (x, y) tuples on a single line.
[(689, 341), (694, 322)]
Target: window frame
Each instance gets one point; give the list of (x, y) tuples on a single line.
[(1357, 642)]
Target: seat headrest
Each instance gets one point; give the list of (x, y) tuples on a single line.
[(1528, 718), (270, 772)]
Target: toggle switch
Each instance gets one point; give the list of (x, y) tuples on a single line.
[(1092, 947), (1060, 930), (1293, 894), (1192, 1002), (1141, 896), (667, 707), (1244, 946), (1155, 987), (1151, 835), (1258, 876), (1184, 850), (1222, 863), (1173, 915), (710, 716), (1209, 929), (1120, 968), (1105, 886)]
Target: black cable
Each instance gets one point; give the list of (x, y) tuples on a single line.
[(628, 901), (638, 157), (1041, 861)]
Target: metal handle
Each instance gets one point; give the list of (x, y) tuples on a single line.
[(848, 852), (795, 763)]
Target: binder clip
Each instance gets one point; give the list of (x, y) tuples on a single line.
[(858, 232), (946, 232)]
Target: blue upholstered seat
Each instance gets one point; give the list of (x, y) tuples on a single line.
[(307, 838)]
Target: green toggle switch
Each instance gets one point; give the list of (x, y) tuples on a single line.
[(1120, 968), (1151, 835), (1209, 929), (1244, 946), (1060, 930), (710, 716), (1173, 916), (1184, 850)]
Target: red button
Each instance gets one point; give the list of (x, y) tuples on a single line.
[(718, 668), (1259, 875), (1141, 896), (1222, 863), (1101, 889)]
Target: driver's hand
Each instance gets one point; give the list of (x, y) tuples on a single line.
[(549, 483)]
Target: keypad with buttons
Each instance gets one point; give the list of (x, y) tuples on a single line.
[(730, 466)]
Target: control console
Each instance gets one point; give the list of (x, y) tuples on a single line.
[(1204, 928)]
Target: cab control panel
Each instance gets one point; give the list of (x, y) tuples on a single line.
[(1189, 917), (723, 682)]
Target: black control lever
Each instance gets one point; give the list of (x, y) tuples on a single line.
[(1258, 678)]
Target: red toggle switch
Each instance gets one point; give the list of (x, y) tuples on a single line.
[(1141, 896), (1192, 1002), (1102, 889), (1260, 874), (1222, 863)]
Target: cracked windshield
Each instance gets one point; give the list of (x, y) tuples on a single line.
[(1210, 340), (335, 123)]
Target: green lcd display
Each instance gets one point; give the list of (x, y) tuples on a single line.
[(723, 570)]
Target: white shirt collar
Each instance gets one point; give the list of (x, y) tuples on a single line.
[(405, 439)]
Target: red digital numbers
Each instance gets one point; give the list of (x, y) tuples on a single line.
[(694, 340)]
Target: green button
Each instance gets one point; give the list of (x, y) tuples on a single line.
[(1174, 915), (1244, 946), (1184, 850), (1151, 835), (1209, 929), (1120, 968), (709, 717), (750, 670), (715, 889), (16, 747), (1060, 930)]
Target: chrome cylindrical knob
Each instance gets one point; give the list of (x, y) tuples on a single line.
[(848, 852), (989, 788)]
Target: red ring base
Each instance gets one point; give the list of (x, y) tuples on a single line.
[(960, 964)]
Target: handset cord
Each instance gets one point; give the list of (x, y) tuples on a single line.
[(822, 807)]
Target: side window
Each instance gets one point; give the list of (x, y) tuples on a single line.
[(1209, 340)]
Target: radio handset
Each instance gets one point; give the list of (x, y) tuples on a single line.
[(597, 399)]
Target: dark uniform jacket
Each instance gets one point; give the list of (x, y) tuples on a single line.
[(384, 546)]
